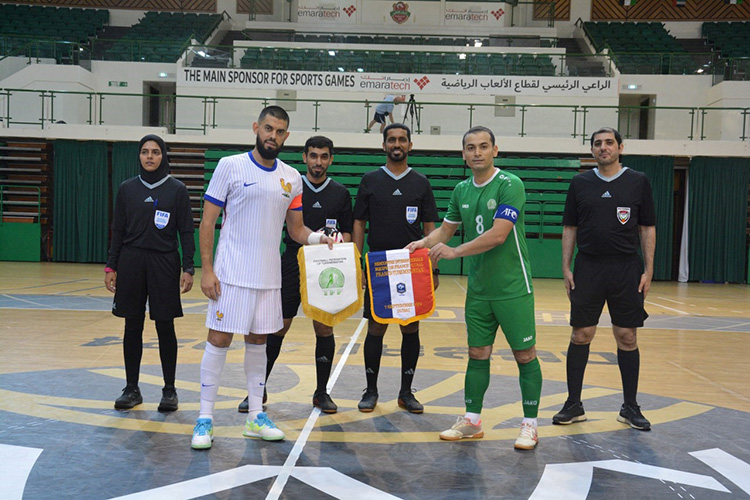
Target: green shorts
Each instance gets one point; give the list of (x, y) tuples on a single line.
[(515, 316)]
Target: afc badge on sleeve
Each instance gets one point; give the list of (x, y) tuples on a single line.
[(623, 214)]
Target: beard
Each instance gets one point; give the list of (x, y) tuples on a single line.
[(265, 153), (393, 154)]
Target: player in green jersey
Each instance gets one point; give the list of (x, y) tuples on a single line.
[(490, 205)]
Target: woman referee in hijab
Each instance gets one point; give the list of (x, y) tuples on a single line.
[(150, 210)]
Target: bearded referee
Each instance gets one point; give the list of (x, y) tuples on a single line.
[(609, 213), (399, 205), (326, 204)]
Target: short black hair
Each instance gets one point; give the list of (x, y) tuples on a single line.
[(476, 130), (276, 112), (319, 141), (607, 130), (395, 126)]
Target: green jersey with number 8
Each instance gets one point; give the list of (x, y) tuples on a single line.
[(504, 271)]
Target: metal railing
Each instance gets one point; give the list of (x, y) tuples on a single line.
[(202, 114)]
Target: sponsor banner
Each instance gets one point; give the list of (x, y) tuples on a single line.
[(327, 11), (476, 14), (330, 282), (401, 288), (251, 79)]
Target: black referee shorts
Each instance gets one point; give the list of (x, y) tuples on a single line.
[(613, 279), (143, 274), (290, 296), (380, 117)]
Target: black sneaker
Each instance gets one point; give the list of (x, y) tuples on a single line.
[(631, 414), (244, 406), (571, 412), (168, 399), (322, 400), (368, 401), (131, 396), (407, 401)]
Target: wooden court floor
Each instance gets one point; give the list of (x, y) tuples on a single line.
[(61, 369)]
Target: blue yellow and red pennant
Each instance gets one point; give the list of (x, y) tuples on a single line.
[(401, 286)]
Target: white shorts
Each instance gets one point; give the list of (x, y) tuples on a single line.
[(245, 310)]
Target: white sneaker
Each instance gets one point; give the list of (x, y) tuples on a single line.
[(263, 428), (463, 428), (203, 434), (528, 438)]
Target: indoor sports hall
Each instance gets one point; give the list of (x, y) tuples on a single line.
[(81, 83)]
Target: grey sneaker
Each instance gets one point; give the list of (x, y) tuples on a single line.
[(322, 400), (571, 412), (168, 399), (368, 401), (407, 401), (631, 414), (131, 396), (463, 428)]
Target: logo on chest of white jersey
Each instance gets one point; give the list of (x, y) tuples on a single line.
[(286, 188)]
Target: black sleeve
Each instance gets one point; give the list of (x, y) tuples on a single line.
[(362, 203), (119, 224), (570, 216), (429, 208), (647, 214), (346, 219), (186, 229)]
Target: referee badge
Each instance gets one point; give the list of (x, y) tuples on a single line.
[(411, 214), (161, 219), (623, 214)]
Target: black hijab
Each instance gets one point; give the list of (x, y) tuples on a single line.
[(163, 170)]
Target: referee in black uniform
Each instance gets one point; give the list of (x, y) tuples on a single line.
[(150, 211), (326, 205), (400, 207), (609, 213)]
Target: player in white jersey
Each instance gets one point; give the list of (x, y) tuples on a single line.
[(257, 193)]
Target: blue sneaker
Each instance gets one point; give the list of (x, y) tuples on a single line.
[(203, 434), (263, 428)]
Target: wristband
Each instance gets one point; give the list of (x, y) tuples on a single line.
[(314, 238), (109, 270), (189, 270)]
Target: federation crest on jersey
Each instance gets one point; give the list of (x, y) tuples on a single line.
[(161, 219), (623, 214), (491, 204), (411, 214), (286, 188)]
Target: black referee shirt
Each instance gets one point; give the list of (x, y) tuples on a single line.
[(150, 218), (329, 201), (395, 208), (608, 213)]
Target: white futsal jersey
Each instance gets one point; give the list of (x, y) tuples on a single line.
[(255, 200)]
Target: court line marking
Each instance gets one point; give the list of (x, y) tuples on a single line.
[(459, 284), (671, 300), (39, 305), (709, 381), (286, 470), (667, 308)]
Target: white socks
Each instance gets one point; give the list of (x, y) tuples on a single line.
[(474, 418), (255, 371), (530, 421), (211, 366)]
